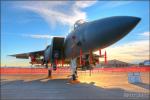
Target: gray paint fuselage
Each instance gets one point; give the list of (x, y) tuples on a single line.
[(98, 34)]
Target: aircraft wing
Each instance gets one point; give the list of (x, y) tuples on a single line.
[(27, 55)]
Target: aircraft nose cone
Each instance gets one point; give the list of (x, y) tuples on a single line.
[(135, 19), (109, 30), (127, 23)]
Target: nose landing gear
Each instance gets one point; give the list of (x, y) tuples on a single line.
[(74, 70)]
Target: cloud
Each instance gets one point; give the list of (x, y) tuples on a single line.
[(62, 12), (145, 34), (84, 4), (113, 4), (133, 52), (38, 36)]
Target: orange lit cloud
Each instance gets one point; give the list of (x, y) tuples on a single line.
[(133, 52)]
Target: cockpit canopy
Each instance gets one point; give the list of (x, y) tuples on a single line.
[(78, 23)]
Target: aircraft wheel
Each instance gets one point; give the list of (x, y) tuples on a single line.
[(76, 72), (49, 73), (74, 77)]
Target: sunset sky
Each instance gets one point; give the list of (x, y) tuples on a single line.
[(28, 26)]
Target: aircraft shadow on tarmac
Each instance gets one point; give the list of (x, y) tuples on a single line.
[(63, 90)]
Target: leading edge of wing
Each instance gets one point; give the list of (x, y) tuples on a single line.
[(27, 55)]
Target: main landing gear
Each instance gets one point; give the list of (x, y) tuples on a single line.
[(49, 72), (74, 69), (53, 67), (74, 75), (74, 79)]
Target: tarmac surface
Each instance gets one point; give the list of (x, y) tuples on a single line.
[(98, 86)]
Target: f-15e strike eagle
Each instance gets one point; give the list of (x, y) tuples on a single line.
[(85, 38)]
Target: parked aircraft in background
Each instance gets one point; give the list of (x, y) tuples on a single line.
[(80, 43)]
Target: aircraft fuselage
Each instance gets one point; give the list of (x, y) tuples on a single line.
[(98, 34)]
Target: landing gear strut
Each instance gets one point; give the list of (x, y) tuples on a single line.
[(49, 72), (74, 69), (74, 75)]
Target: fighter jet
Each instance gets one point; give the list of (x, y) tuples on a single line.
[(85, 38)]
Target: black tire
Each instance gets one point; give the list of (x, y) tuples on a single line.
[(49, 73), (76, 72), (74, 77)]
